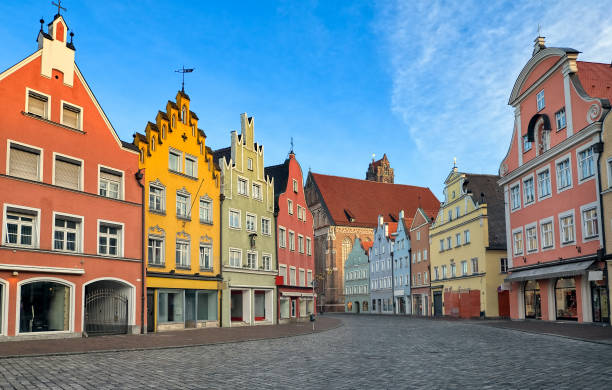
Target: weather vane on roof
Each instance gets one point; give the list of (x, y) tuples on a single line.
[(184, 70), (291, 145), (539, 30), (59, 6)]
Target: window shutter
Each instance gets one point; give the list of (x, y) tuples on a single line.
[(37, 104), (67, 174), (70, 116), (110, 176), (23, 164)]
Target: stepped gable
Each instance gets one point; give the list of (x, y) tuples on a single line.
[(354, 202), (484, 189)]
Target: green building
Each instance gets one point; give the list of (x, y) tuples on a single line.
[(248, 246), (357, 278)]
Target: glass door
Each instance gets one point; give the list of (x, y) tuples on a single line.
[(601, 305)]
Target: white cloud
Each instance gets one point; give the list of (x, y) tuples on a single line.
[(453, 66)]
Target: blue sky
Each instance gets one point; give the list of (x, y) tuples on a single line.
[(423, 81)]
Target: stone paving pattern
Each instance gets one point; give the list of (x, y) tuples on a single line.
[(367, 352)]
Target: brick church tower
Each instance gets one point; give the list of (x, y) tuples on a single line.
[(380, 171)]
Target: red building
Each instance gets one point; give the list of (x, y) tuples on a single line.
[(71, 249), (296, 299), (419, 244), (552, 188)]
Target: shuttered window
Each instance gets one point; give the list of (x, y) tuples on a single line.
[(67, 173), (71, 116), (24, 162), (37, 104)]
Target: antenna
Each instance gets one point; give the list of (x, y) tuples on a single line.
[(184, 70)]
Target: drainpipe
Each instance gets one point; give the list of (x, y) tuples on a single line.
[(392, 277), (139, 176), (221, 199), (599, 149), (276, 210)]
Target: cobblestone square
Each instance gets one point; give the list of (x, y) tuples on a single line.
[(367, 352)]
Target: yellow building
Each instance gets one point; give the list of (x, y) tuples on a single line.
[(468, 248), (182, 220)]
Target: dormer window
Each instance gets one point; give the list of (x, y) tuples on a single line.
[(540, 99), (184, 114), (38, 104), (71, 116)]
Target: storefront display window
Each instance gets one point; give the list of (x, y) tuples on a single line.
[(284, 308), (260, 305), (565, 293), (170, 306), (207, 305), (601, 304), (44, 307), (236, 308), (532, 300)]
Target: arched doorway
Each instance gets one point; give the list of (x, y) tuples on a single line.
[(107, 307), (357, 307), (45, 306), (533, 308), (565, 299)]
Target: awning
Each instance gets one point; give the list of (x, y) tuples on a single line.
[(553, 271), (291, 294)]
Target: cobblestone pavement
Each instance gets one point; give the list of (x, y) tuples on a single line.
[(367, 352)]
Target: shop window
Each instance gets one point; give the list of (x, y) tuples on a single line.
[(260, 305), (532, 300), (44, 307), (170, 306), (284, 307), (206, 306), (236, 305), (565, 294)]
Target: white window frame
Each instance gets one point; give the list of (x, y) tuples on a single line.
[(188, 255), (27, 103), (562, 109), (79, 219), (194, 160), (162, 202), (229, 219), (266, 267), (543, 221), (179, 154), (300, 240), (256, 262), (246, 186), (73, 160), (583, 208), (246, 220), (540, 97), (295, 186), (257, 185), (538, 172), (290, 206), (302, 277), (34, 149), (80, 117), (560, 216), (282, 271), (205, 246), (308, 246), (522, 233), (282, 233), (523, 181), (162, 250), (18, 209), (537, 244), (229, 259), (527, 145), (113, 171), (120, 246), (609, 171), (208, 205), (187, 214), (269, 232), (291, 241), (578, 167), (309, 278), (516, 184), (568, 157), (292, 276), (249, 163)]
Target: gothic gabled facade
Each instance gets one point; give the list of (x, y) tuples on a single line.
[(380, 171)]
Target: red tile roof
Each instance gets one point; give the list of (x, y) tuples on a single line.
[(366, 245), (354, 202), (596, 79)]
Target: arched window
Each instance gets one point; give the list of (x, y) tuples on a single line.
[(565, 297), (347, 246), (164, 131), (153, 143), (193, 130), (532, 300), (173, 123), (45, 307), (184, 114), (142, 153)]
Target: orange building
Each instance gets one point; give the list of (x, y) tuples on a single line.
[(71, 249)]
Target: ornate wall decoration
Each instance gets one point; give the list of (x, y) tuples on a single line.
[(594, 113)]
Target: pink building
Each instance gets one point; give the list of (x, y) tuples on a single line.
[(552, 188)]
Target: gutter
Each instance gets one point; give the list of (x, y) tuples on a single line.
[(139, 176)]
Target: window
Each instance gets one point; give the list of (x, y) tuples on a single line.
[(156, 251), (251, 223), (265, 226), (545, 140), (282, 237), (441, 249), (466, 235), (66, 234), (164, 131), (586, 164), (425, 276), (292, 276), (282, 271), (308, 249), (475, 265), (242, 186), (299, 212), (418, 257), (540, 100), (589, 223), (515, 194), (266, 262), (235, 258), (457, 212), (174, 161), (24, 162), (182, 205), (449, 243), (290, 206), (532, 239), (20, 228), (436, 273), (156, 198), (295, 186), (45, 307), (517, 238), (547, 235), (567, 229), (443, 272), (191, 166), (67, 173), (302, 278), (418, 236), (457, 239), (257, 191), (110, 183), (109, 240), (450, 215), (526, 144), (182, 254), (425, 255), (252, 260), (173, 121), (234, 219), (464, 268), (503, 265), (453, 268), (560, 118), (250, 164), (71, 116), (564, 174), (309, 278), (544, 183), (528, 190), (38, 104), (205, 256), (291, 240), (206, 211), (300, 243)]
